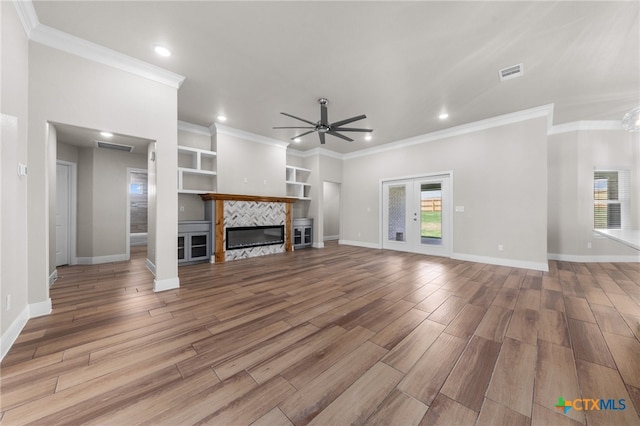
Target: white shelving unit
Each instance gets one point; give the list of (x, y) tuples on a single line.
[(201, 163), (297, 185)]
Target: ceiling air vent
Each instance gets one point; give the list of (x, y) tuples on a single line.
[(116, 146), (511, 72)]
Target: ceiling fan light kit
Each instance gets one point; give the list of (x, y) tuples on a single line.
[(324, 127)]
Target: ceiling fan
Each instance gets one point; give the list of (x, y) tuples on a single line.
[(324, 127)]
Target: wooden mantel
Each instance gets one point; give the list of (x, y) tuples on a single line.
[(237, 197), (219, 199)]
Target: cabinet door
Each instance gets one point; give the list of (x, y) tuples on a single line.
[(297, 236), (308, 235), (181, 248), (199, 246)]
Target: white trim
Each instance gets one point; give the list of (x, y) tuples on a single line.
[(11, 335), (166, 284), (150, 266), (53, 277), (502, 120), (586, 125), (331, 237), (193, 128), (73, 208), (364, 244), (513, 263), (318, 245), (315, 151), (60, 40), (102, 259), (594, 259), (40, 309), (219, 128)]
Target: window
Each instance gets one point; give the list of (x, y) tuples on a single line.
[(610, 199)]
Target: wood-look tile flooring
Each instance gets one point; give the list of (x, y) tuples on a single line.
[(334, 336)]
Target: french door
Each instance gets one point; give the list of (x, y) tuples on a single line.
[(416, 215)]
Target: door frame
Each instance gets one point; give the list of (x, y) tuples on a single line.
[(448, 251), (73, 206)]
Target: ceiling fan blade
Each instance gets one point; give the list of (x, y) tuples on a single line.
[(302, 134), (298, 118), (293, 127), (348, 120), (332, 133), (323, 114), (322, 141), (350, 129)]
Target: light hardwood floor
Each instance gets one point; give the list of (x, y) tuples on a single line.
[(334, 336)]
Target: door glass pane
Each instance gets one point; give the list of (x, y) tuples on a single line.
[(397, 213), (431, 213)]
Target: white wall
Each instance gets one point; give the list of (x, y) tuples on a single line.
[(191, 206), (331, 209), (573, 156), (499, 176), (13, 189), (248, 167)]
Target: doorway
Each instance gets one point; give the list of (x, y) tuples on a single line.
[(416, 215), (137, 208), (331, 210)]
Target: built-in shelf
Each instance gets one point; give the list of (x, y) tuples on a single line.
[(297, 185), (196, 171)]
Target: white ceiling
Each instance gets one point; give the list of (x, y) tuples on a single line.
[(400, 63)]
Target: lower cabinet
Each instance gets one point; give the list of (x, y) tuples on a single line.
[(194, 241), (302, 232)]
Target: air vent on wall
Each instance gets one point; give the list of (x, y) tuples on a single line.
[(511, 72), (116, 146)]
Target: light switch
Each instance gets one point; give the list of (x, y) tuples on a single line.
[(459, 209)]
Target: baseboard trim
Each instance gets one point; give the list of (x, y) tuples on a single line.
[(318, 245), (331, 237), (166, 284), (360, 244), (11, 335), (40, 309), (53, 277), (513, 263), (102, 259), (593, 259), (150, 266)]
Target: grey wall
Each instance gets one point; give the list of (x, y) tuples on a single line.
[(331, 209), (573, 156), (499, 176)]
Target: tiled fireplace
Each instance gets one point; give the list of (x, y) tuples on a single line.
[(248, 226)]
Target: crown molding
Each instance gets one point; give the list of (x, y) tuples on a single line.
[(501, 120), (193, 128), (586, 125), (65, 42), (316, 151), (230, 131)]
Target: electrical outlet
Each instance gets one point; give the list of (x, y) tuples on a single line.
[(8, 303), (589, 245), (500, 247), (181, 208)]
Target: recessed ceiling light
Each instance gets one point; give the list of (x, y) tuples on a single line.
[(222, 118), (367, 138), (297, 140), (162, 51), (106, 134), (443, 116)]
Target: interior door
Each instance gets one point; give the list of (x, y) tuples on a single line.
[(62, 214), (417, 215)]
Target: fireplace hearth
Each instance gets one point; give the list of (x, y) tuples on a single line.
[(254, 236)]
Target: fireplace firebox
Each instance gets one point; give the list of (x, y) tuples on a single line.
[(254, 236)]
